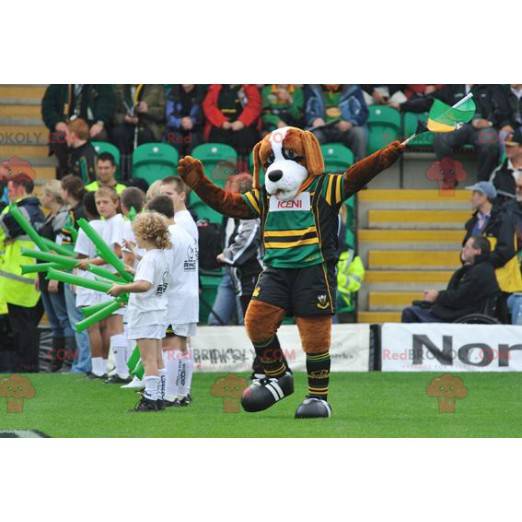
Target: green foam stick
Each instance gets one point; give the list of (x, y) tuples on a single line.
[(63, 261), (72, 231), (102, 272), (98, 316), (70, 279), (89, 310), (139, 371), (134, 359), (132, 214), (27, 227), (104, 250), (36, 267), (59, 249)]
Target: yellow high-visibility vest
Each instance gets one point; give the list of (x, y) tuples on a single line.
[(16, 288)]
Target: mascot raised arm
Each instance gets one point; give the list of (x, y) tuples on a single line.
[(298, 207)]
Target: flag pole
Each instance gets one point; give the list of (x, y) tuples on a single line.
[(458, 104)]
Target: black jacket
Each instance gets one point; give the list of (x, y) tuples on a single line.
[(30, 207), (96, 103), (508, 108), (502, 178), (501, 227), (468, 289), (88, 153)]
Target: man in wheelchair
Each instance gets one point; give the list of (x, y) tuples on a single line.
[(470, 296)]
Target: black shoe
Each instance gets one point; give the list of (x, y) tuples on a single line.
[(184, 401), (170, 404), (147, 405), (313, 408), (91, 375), (264, 393), (116, 379)]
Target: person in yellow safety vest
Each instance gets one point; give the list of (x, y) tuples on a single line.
[(350, 275), (105, 172), (19, 291)]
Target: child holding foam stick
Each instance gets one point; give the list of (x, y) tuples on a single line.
[(147, 308)]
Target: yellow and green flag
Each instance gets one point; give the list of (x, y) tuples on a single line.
[(443, 118)]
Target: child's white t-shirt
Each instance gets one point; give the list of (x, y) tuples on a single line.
[(128, 235), (113, 233), (185, 219), (150, 308), (183, 294), (85, 247)]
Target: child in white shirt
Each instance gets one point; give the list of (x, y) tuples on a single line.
[(147, 308)]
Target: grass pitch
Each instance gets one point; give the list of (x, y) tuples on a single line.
[(364, 405)]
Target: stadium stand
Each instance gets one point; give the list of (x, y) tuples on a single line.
[(408, 229)]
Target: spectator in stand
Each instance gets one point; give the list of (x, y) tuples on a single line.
[(508, 109), (53, 298), (19, 291), (62, 103), (105, 174), (232, 116), (418, 98), (282, 106), (481, 132), (82, 155), (492, 221), (184, 129), (387, 94), (139, 117), (467, 292), (505, 176), (338, 113)]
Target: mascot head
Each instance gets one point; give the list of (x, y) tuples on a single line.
[(291, 158)]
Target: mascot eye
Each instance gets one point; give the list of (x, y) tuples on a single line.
[(269, 159), (289, 154)]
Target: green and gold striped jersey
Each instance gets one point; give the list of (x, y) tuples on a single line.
[(304, 231)]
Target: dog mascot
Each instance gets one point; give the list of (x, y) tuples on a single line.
[(299, 208)]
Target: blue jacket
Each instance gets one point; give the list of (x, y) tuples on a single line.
[(352, 105), (177, 103)]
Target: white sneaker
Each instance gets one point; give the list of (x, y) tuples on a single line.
[(135, 384)]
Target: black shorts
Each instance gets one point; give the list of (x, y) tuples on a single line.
[(300, 291)]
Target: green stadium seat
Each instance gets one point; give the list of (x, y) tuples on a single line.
[(104, 146), (410, 120), (337, 158), (219, 161), (153, 161), (209, 286), (202, 210), (384, 125)]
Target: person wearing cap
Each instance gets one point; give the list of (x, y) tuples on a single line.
[(492, 220), (505, 176)]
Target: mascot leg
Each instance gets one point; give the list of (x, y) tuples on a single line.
[(262, 321), (315, 333)]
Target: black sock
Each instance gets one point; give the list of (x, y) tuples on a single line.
[(318, 369), (271, 358)]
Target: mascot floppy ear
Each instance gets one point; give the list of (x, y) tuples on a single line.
[(257, 164), (313, 154)]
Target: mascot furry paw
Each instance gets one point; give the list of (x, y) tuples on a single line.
[(298, 207)]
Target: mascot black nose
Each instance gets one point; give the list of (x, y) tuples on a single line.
[(275, 175)]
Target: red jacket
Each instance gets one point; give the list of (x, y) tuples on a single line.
[(215, 118)]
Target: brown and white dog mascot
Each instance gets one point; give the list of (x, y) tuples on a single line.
[(298, 207)]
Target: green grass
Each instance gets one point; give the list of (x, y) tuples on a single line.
[(364, 405)]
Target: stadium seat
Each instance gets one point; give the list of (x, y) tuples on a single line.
[(384, 125), (410, 120), (337, 157), (209, 285), (202, 210), (104, 146), (219, 161), (153, 161)]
